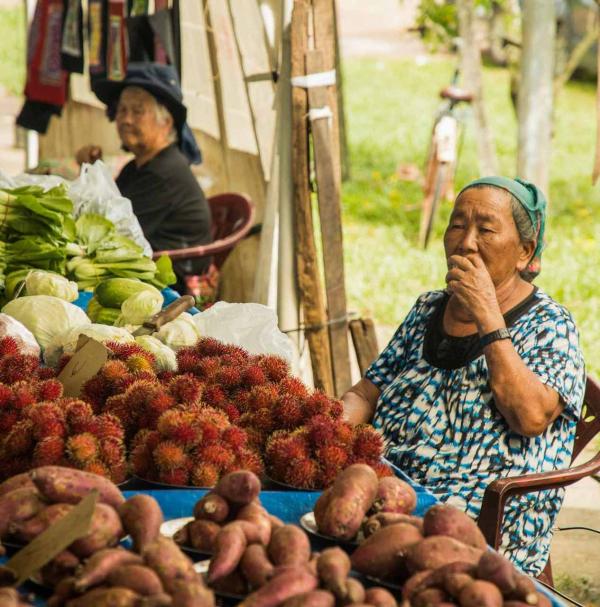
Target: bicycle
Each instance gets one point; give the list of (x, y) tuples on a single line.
[(442, 155)]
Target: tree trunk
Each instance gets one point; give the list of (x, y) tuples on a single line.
[(536, 92), (471, 70)]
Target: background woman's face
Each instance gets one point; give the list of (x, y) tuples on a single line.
[(482, 224)]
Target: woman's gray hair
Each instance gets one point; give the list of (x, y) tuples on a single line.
[(161, 112)]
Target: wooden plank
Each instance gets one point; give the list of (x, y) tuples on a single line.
[(306, 255), (328, 192), (364, 339), (344, 153)]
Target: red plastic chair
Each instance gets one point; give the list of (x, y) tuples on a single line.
[(232, 218)]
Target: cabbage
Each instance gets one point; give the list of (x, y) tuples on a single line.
[(140, 307), (179, 333), (165, 357), (66, 342), (9, 327), (45, 316), (39, 282)]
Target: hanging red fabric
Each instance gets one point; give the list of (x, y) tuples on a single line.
[(117, 51), (46, 80), (160, 54)]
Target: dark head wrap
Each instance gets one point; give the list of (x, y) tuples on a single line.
[(533, 201)]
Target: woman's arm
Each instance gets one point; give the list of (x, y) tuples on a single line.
[(360, 401)]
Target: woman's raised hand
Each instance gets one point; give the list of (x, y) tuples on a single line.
[(88, 153)]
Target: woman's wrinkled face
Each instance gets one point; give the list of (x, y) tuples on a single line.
[(482, 224), (137, 122)]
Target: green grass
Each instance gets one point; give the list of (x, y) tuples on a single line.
[(390, 106), (582, 589), (12, 49)]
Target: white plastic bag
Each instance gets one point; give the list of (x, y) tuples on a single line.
[(95, 191), (249, 325), (45, 181)]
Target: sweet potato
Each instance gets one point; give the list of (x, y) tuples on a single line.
[(379, 597), (480, 594), (413, 583), (230, 544), (9, 597), (234, 583), (287, 584), (138, 578), (19, 505), (352, 494), (97, 568), (182, 536), (437, 550), (315, 598), (495, 568), (212, 507), (202, 535), (141, 517), (454, 582), (513, 603), (164, 556), (430, 597), (70, 486), (355, 592), (333, 568), (193, 594), (64, 590), (385, 519), (19, 481), (289, 545), (322, 504), (156, 600), (31, 528), (105, 531), (61, 566), (383, 554), (394, 495), (256, 566), (275, 522), (240, 487), (254, 513), (437, 577), (443, 519), (106, 597), (524, 590)]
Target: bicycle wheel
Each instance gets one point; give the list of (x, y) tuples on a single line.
[(431, 202)]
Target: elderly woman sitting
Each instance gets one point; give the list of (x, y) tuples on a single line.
[(486, 378)]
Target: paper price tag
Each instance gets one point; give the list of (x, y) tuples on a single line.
[(88, 359)]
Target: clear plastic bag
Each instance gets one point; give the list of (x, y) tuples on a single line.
[(45, 181), (249, 325), (95, 191)]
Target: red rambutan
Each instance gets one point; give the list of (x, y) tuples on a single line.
[(228, 378), (178, 425), (8, 418), (168, 455), (207, 368), (46, 373), (23, 394), (254, 376), (95, 467), (50, 389), (119, 406), (140, 459), (262, 397), (282, 447), (263, 420), (112, 452), (9, 345), (231, 411), (321, 430), (174, 476), (48, 451), (217, 454), (19, 440), (96, 391), (332, 455), (294, 387), (208, 346), (234, 437), (256, 439), (213, 395), (344, 434), (5, 396), (302, 473), (186, 389), (51, 427), (287, 412), (156, 406), (382, 469), (317, 404), (187, 361), (123, 350), (109, 426), (164, 377), (275, 367), (214, 417), (249, 459), (368, 444), (18, 367), (138, 362), (119, 473), (82, 448), (204, 475)]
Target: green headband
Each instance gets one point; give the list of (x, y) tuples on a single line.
[(531, 198)]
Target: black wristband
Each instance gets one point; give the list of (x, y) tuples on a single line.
[(488, 338)]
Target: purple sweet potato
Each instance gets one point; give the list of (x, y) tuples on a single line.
[(289, 545), (229, 547), (495, 568), (70, 486), (105, 531), (352, 494), (141, 517), (212, 507), (524, 590), (239, 487), (138, 578), (394, 495), (480, 594), (106, 597), (333, 568), (385, 519), (202, 535), (19, 505), (437, 550), (254, 513), (289, 583), (443, 519), (164, 556), (383, 554), (19, 481), (379, 597), (256, 566), (97, 568), (315, 598), (31, 528)]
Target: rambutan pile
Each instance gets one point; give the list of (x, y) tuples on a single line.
[(192, 445)]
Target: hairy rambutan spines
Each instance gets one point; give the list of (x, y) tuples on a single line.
[(204, 475), (303, 473), (217, 454), (332, 455), (288, 412), (169, 455), (256, 439), (96, 467), (19, 439), (9, 345), (382, 470), (46, 373), (136, 363), (235, 437), (5, 396), (282, 447), (123, 351), (232, 412), (213, 395), (22, 395), (208, 346), (48, 451), (321, 430), (179, 425), (142, 464), (254, 376), (264, 421), (368, 444), (109, 427), (275, 367), (18, 367), (112, 452), (204, 368), (228, 378), (82, 448), (294, 387), (49, 389), (187, 362), (8, 418), (249, 459), (186, 389), (174, 476), (262, 397)]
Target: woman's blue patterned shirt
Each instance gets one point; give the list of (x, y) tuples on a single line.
[(442, 428)]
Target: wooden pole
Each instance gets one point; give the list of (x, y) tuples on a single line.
[(309, 280), (345, 157), (364, 339), (328, 192)]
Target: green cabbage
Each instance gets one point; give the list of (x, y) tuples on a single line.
[(140, 307), (39, 282), (166, 358), (179, 333)]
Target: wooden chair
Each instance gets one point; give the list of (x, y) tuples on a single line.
[(498, 492)]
